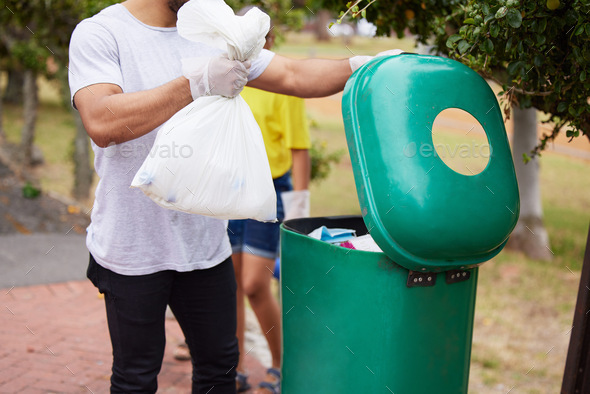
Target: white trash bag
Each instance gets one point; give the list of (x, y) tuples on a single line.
[(220, 168)]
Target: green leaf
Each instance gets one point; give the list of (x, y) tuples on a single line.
[(494, 30), (508, 44), (561, 107), (579, 30), (488, 18), (514, 66), (452, 40), (514, 18), (541, 25), (572, 110), (463, 46), (30, 191), (526, 158), (364, 14), (578, 54), (501, 13), (488, 46), (469, 21), (541, 39), (583, 76)]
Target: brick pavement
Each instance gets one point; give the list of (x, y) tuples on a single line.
[(54, 339)]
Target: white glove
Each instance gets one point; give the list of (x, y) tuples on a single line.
[(211, 76), (296, 204), (357, 61)]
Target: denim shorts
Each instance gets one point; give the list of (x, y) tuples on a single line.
[(260, 238)]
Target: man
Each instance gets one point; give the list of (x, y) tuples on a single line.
[(126, 81)]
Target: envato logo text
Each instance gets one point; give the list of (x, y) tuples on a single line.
[(164, 151), (471, 150)]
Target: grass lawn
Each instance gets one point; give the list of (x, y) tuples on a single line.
[(524, 307)]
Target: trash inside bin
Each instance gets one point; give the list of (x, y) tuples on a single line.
[(400, 320)]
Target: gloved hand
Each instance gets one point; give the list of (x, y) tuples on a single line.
[(296, 204), (357, 61), (211, 76)]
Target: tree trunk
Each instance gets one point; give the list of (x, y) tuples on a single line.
[(2, 134), (321, 29), (13, 93), (82, 170), (530, 235), (30, 107)]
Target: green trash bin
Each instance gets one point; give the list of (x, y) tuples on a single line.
[(400, 321)]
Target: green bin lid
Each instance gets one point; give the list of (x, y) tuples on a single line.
[(422, 214)]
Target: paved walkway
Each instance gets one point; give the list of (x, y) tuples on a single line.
[(53, 331), (54, 339)]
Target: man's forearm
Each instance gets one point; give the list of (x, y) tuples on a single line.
[(111, 116), (304, 78)]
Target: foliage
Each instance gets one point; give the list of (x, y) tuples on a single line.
[(30, 191), (538, 51), (321, 160), (32, 32), (282, 14)]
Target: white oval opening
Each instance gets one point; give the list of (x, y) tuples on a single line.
[(460, 141)]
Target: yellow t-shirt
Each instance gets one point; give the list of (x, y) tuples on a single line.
[(283, 122)]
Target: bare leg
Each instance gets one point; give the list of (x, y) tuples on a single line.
[(256, 285)]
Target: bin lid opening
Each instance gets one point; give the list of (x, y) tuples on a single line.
[(460, 141), (421, 213)]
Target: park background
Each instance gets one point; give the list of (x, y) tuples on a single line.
[(524, 307)]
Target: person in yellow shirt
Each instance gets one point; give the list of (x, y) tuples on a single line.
[(283, 122)]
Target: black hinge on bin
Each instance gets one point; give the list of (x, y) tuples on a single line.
[(456, 276), (421, 279)]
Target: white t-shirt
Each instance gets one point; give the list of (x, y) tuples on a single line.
[(129, 233)]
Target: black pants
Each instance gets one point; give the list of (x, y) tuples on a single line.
[(203, 302)]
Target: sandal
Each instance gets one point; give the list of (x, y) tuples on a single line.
[(275, 386), (242, 382)]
